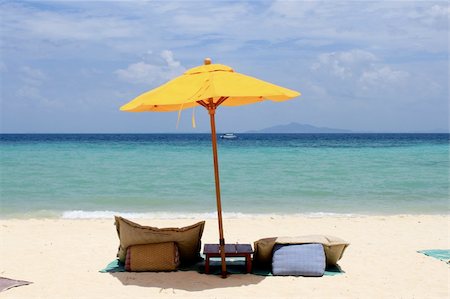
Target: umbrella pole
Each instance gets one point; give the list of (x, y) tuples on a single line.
[(211, 111)]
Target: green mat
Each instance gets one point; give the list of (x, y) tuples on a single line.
[(440, 254), (234, 266)]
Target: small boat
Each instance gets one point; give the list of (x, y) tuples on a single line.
[(228, 136)]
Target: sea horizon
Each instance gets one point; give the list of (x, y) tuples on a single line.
[(207, 132)]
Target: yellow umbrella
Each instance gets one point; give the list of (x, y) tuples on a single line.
[(209, 85)]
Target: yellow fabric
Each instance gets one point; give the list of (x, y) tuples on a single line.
[(204, 82), (188, 239), (334, 247), (152, 257)]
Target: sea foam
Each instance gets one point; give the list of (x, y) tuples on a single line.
[(79, 214)]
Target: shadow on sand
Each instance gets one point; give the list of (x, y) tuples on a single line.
[(185, 280)]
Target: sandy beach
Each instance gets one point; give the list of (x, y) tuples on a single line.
[(63, 258)]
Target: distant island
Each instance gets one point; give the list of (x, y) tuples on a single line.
[(299, 128)]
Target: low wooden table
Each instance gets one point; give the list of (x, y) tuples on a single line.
[(231, 250)]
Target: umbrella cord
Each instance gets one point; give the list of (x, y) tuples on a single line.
[(179, 115), (193, 118), (194, 125)]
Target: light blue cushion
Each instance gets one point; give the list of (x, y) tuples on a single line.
[(298, 260)]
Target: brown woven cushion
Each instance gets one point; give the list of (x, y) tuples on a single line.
[(334, 247), (188, 239), (152, 257)]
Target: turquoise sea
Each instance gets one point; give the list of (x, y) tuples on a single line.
[(171, 175)]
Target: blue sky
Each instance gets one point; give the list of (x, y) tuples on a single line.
[(67, 66)]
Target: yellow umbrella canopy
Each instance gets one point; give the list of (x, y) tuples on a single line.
[(209, 81), (209, 85)]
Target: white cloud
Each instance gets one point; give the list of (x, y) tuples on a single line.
[(400, 25), (293, 9), (76, 25), (132, 26), (344, 64), (28, 92), (359, 73), (139, 72), (439, 11), (223, 19), (168, 57), (33, 81), (32, 76), (148, 73), (384, 74), (432, 16)]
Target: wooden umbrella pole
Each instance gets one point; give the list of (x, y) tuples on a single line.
[(211, 111)]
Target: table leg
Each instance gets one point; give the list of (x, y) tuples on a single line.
[(207, 264), (248, 262)]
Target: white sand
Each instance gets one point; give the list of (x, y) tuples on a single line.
[(63, 257)]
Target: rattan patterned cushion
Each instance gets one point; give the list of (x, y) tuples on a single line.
[(152, 257)]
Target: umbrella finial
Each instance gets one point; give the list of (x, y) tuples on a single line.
[(207, 61)]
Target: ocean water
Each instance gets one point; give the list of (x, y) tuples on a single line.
[(171, 175)]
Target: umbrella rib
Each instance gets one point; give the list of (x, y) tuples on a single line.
[(203, 104), (221, 100)]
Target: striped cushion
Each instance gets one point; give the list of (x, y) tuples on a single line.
[(152, 257), (298, 260)]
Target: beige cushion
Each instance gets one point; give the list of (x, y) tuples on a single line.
[(188, 239), (334, 247), (152, 257)]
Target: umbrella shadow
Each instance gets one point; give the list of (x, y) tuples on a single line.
[(185, 280)]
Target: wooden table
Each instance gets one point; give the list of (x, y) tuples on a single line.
[(231, 250)]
